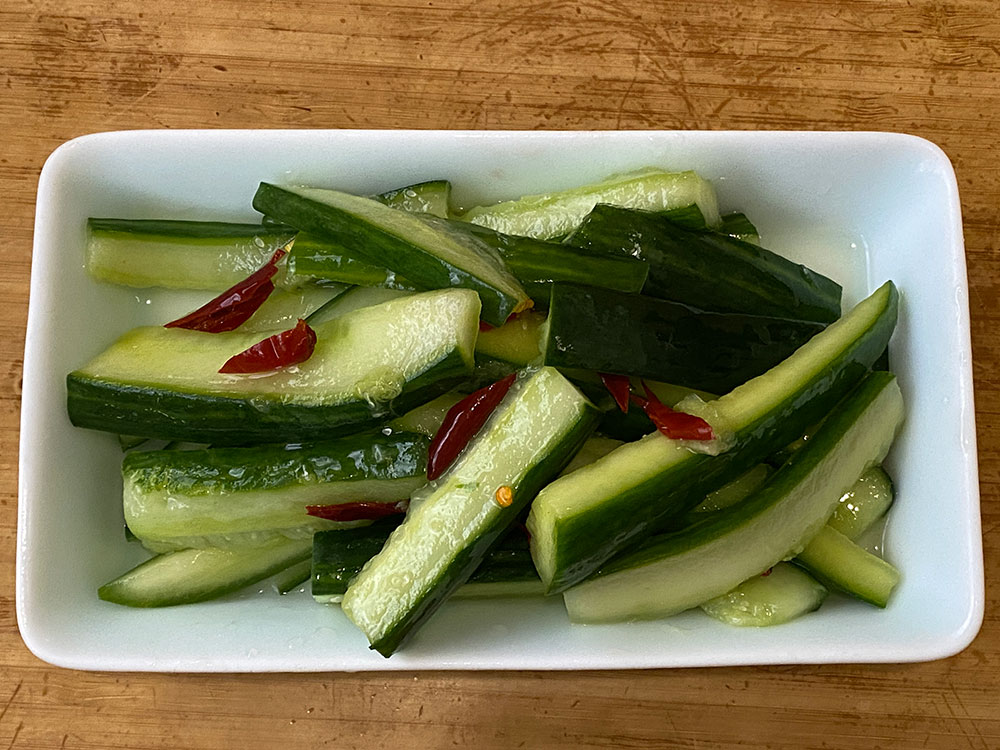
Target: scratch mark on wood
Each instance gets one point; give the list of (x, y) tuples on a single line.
[(20, 726), (631, 85), (10, 700)]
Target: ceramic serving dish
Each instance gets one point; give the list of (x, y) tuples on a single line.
[(859, 207)]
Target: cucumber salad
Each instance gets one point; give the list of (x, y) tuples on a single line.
[(611, 394)]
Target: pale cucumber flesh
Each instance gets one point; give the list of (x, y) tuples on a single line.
[(780, 595), (370, 352), (553, 215)]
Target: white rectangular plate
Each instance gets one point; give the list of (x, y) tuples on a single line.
[(860, 207)]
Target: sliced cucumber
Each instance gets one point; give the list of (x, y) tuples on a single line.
[(780, 595), (293, 577), (631, 334), (427, 418), (432, 197), (555, 214), (456, 519), (840, 563), (283, 308), (516, 341), (338, 556), (196, 575), (205, 255), (537, 263), (597, 446), (355, 298), (319, 258), (863, 504), (674, 572), (581, 520), (533, 262), (739, 226), (734, 492), (233, 497), (427, 251), (164, 382), (708, 270)]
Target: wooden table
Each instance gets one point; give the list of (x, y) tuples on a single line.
[(928, 67)]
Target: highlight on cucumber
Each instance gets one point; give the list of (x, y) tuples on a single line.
[(614, 394)]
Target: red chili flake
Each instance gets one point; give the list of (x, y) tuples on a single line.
[(231, 308), (461, 424), (766, 573), (361, 511), (280, 350), (618, 386), (674, 424)]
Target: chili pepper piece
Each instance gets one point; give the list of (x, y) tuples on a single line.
[(618, 386), (280, 350), (484, 326), (461, 424), (360, 511), (234, 306), (677, 425)]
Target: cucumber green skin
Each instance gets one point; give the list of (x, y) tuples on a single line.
[(685, 216), (374, 245), (739, 226), (607, 331), (709, 270), (625, 427), (589, 540), (841, 564), (198, 583), (265, 467), (159, 412), (293, 577), (170, 229), (339, 555), (472, 555), (323, 258), (430, 197), (536, 263)]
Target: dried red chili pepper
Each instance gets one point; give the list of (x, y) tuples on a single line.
[(674, 424), (361, 511), (484, 326), (461, 424), (618, 386), (231, 309), (280, 350)]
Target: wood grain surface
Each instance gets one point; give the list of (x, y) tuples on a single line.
[(926, 67)]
